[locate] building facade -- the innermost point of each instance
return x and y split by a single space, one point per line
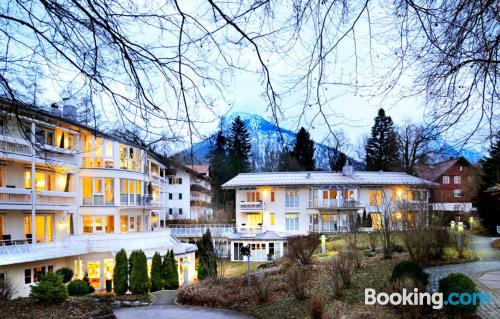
457 185
273 206
73 197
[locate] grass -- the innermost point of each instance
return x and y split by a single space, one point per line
238 268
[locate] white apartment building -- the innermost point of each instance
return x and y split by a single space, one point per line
272 206
73 197
189 193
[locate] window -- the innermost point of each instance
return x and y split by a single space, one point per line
170 211
457 193
375 198
461 168
124 224
130 158
175 180
253 196
272 197
254 219
2 176
99 152
98 191
44 136
271 219
446 179
170 195
292 221
180 211
27 276
292 199
44 181
130 192
457 180
180 195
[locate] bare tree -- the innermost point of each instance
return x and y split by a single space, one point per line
414 143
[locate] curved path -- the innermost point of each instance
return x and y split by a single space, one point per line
164 306
487 266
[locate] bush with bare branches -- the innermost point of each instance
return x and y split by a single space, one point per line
408 283
261 286
317 307
297 281
6 290
301 248
340 270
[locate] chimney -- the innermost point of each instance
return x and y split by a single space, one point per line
69 111
54 109
348 170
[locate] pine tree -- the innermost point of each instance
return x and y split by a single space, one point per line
165 271
337 161
489 206
382 149
369 221
156 278
120 273
358 221
174 274
303 150
201 271
131 258
207 256
364 221
238 149
287 163
139 280
219 168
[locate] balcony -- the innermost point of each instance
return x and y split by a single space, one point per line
200 203
251 228
251 206
97 200
217 230
200 186
130 199
19 198
334 204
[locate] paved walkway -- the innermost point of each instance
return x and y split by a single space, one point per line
482 271
164 306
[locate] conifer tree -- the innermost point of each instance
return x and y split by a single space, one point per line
174 274
338 160
165 271
120 273
364 220
139 280
369 221
238 149
288 163
219 167
207 256
303 150
156 276
382 149
488 204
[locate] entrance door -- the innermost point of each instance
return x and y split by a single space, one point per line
313 223
94 273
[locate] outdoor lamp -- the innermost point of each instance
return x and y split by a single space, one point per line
185 267
452 224
323 244
460 226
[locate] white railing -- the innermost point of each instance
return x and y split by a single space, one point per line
333 203
251 205
250 229
12 145
186 230
23 197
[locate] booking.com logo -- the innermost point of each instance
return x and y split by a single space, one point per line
436 299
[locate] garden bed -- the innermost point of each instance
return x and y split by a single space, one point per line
24 308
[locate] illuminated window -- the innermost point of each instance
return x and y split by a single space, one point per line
124 224
130 158
43 180
446 179
272 197
292 199
2 176
254 219
253 196
272 219
375 198
2 225
108 191
132 223
110 224
88 227
292 221
457 180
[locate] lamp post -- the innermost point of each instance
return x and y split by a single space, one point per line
185 267
245 251
323 244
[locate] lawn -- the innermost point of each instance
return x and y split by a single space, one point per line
238 268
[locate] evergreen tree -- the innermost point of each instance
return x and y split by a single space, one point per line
287 163
338 160
120 273
488 205
219 168
369 221
358 221
139 280
201 271
238 149
207 256
303 150
174 277
364 221
165 271
156 277
131 258
382 148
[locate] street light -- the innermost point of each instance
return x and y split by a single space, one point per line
185 267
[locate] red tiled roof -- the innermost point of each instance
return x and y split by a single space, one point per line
200 169
434 171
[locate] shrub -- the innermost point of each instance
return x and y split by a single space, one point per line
261 286
297 281
408 284
301 248
139 280
49 289
120 273
201 271
496 244
78 288
461 242
65 273
317 307
354 255
156 269
340 270
6 290
409 269
458 283
86 279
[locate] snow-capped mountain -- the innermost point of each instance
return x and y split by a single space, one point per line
265 141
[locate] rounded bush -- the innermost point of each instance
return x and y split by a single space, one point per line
410 269
65 273
78 288
458 283
50 289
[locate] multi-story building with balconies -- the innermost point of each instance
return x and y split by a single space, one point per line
272 206
72 197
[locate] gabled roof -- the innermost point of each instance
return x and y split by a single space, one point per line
325 179
200 169
435 171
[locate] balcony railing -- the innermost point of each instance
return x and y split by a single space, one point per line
12 145
217 230
97 200
251 205
20 196
250 228
333 203
130 199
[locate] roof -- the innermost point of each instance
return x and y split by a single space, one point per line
325 178
493 189
267 235
200 169
434 171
